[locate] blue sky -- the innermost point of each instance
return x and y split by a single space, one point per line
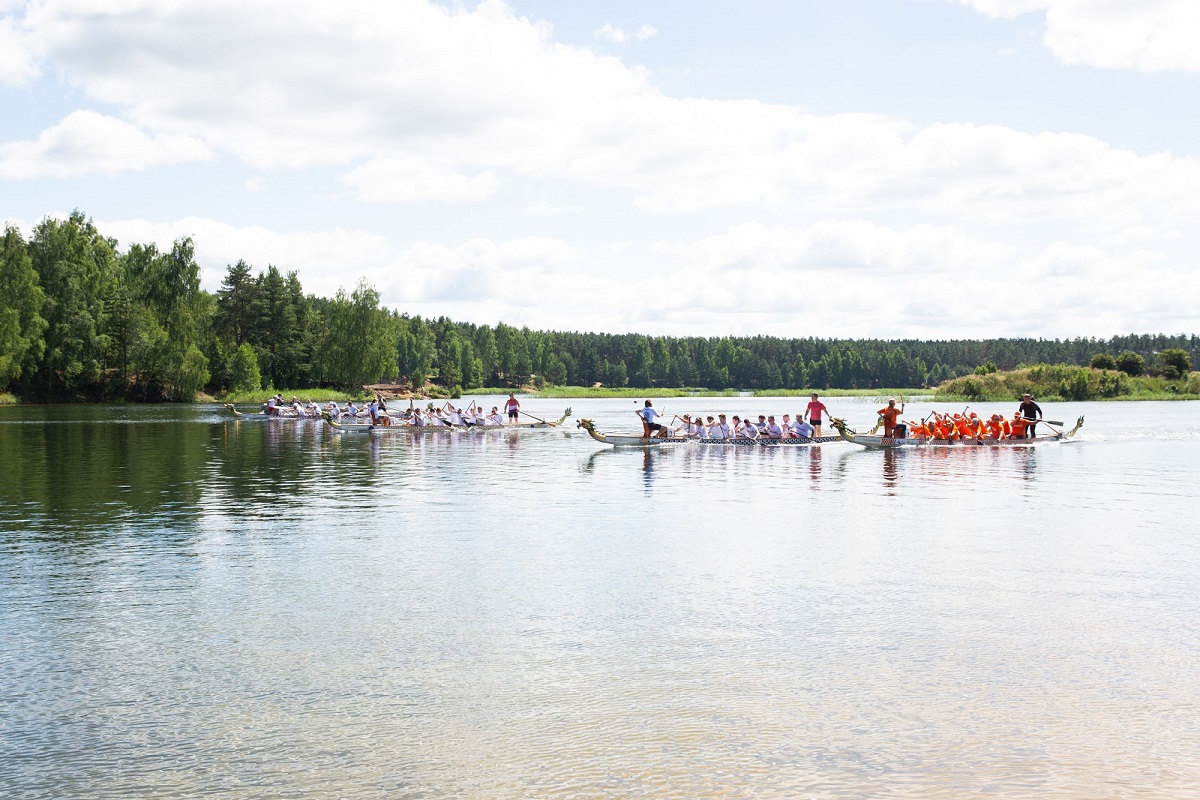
924 168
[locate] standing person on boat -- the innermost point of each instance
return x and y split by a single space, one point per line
649 426
890 415
814 411
513 407
1032 412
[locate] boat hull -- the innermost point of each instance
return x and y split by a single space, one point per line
624 440
890 443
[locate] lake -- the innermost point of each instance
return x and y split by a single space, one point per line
196 606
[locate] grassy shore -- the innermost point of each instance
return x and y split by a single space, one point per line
7 399
1062 382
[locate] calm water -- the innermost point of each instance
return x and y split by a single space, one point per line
191 606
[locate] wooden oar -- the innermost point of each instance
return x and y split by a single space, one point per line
539 419
1047 421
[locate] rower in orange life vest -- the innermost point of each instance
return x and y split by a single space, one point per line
890 416
1018 425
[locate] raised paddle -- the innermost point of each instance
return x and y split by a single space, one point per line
539 419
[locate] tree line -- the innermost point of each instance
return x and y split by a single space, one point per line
81 319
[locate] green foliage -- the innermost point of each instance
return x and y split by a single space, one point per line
1131 364
21 299
986 369
1103 361
243 370
359 349
77 271
1173 363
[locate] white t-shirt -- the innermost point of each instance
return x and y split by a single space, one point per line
719 431
648 413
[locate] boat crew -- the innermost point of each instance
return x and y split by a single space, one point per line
333 410
313 410
513 407
721 430
772 430
802 429
696 429
351 409
742 429
891 415
814 411
761 426
417 419
495 418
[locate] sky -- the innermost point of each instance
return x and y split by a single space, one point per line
835 168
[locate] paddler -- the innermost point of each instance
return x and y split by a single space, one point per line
649 426
1018 425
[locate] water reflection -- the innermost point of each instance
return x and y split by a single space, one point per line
177 592
891 472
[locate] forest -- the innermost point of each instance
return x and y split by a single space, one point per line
83 320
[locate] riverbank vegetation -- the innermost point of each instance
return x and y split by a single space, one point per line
1060 382
82 318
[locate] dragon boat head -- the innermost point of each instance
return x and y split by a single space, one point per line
839 425
586 424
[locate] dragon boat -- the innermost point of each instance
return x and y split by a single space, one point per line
633 440
874 442
404 427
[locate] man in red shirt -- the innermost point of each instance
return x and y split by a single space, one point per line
813 414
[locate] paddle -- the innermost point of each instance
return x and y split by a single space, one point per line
1047 421
539 419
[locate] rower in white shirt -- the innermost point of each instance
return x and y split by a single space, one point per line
742 429
495 418
721 430
772 430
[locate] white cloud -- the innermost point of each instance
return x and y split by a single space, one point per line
615 35
17 63
435 103
1147 35
394 180
610 33
85 141
325 260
